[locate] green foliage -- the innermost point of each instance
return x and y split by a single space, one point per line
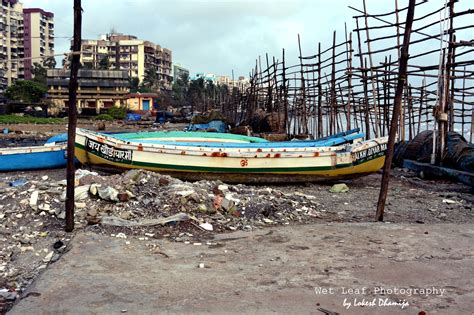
134 84
26 91
104 63
105 117
180 90
39 74
151 79
117 112
14 119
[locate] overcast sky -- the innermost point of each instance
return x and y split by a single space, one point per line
215 36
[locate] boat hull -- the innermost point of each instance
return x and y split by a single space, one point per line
31 158
237 165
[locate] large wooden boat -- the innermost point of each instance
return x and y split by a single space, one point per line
242 162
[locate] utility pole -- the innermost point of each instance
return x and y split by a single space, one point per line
402 77
72 115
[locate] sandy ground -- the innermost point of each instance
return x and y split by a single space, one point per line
273 270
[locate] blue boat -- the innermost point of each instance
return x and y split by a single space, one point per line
50 155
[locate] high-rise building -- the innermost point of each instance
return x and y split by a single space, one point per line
11 42
127 52
38 37
26 37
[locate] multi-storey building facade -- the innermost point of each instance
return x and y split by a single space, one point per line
179 71
241 82
38 38
26 37
126 52
98 89
11 42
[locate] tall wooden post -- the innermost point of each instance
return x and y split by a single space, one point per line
402 77
72 113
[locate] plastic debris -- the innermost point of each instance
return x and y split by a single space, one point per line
19 182
339 188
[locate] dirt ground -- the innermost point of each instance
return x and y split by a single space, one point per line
366 268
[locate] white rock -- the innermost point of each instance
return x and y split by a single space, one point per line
184 193
207 226
45 177
34 200
223 187
80 205
48 257
201 265
121 235
44 207
94 189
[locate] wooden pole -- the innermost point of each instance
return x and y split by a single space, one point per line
72 113
402 77
364 82
320 95
333 123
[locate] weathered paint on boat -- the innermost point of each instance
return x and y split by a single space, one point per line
266 164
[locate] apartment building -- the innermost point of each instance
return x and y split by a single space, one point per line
26 37
179 71
11 42
38 38
127 52
241 82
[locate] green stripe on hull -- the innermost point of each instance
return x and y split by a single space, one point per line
229 170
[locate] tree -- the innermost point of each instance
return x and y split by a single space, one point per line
150 80
196 94
26 91
39 74
180 90
134 84
49 62
104 63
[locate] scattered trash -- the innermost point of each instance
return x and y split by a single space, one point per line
108 193
449 201
114 221
19 182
